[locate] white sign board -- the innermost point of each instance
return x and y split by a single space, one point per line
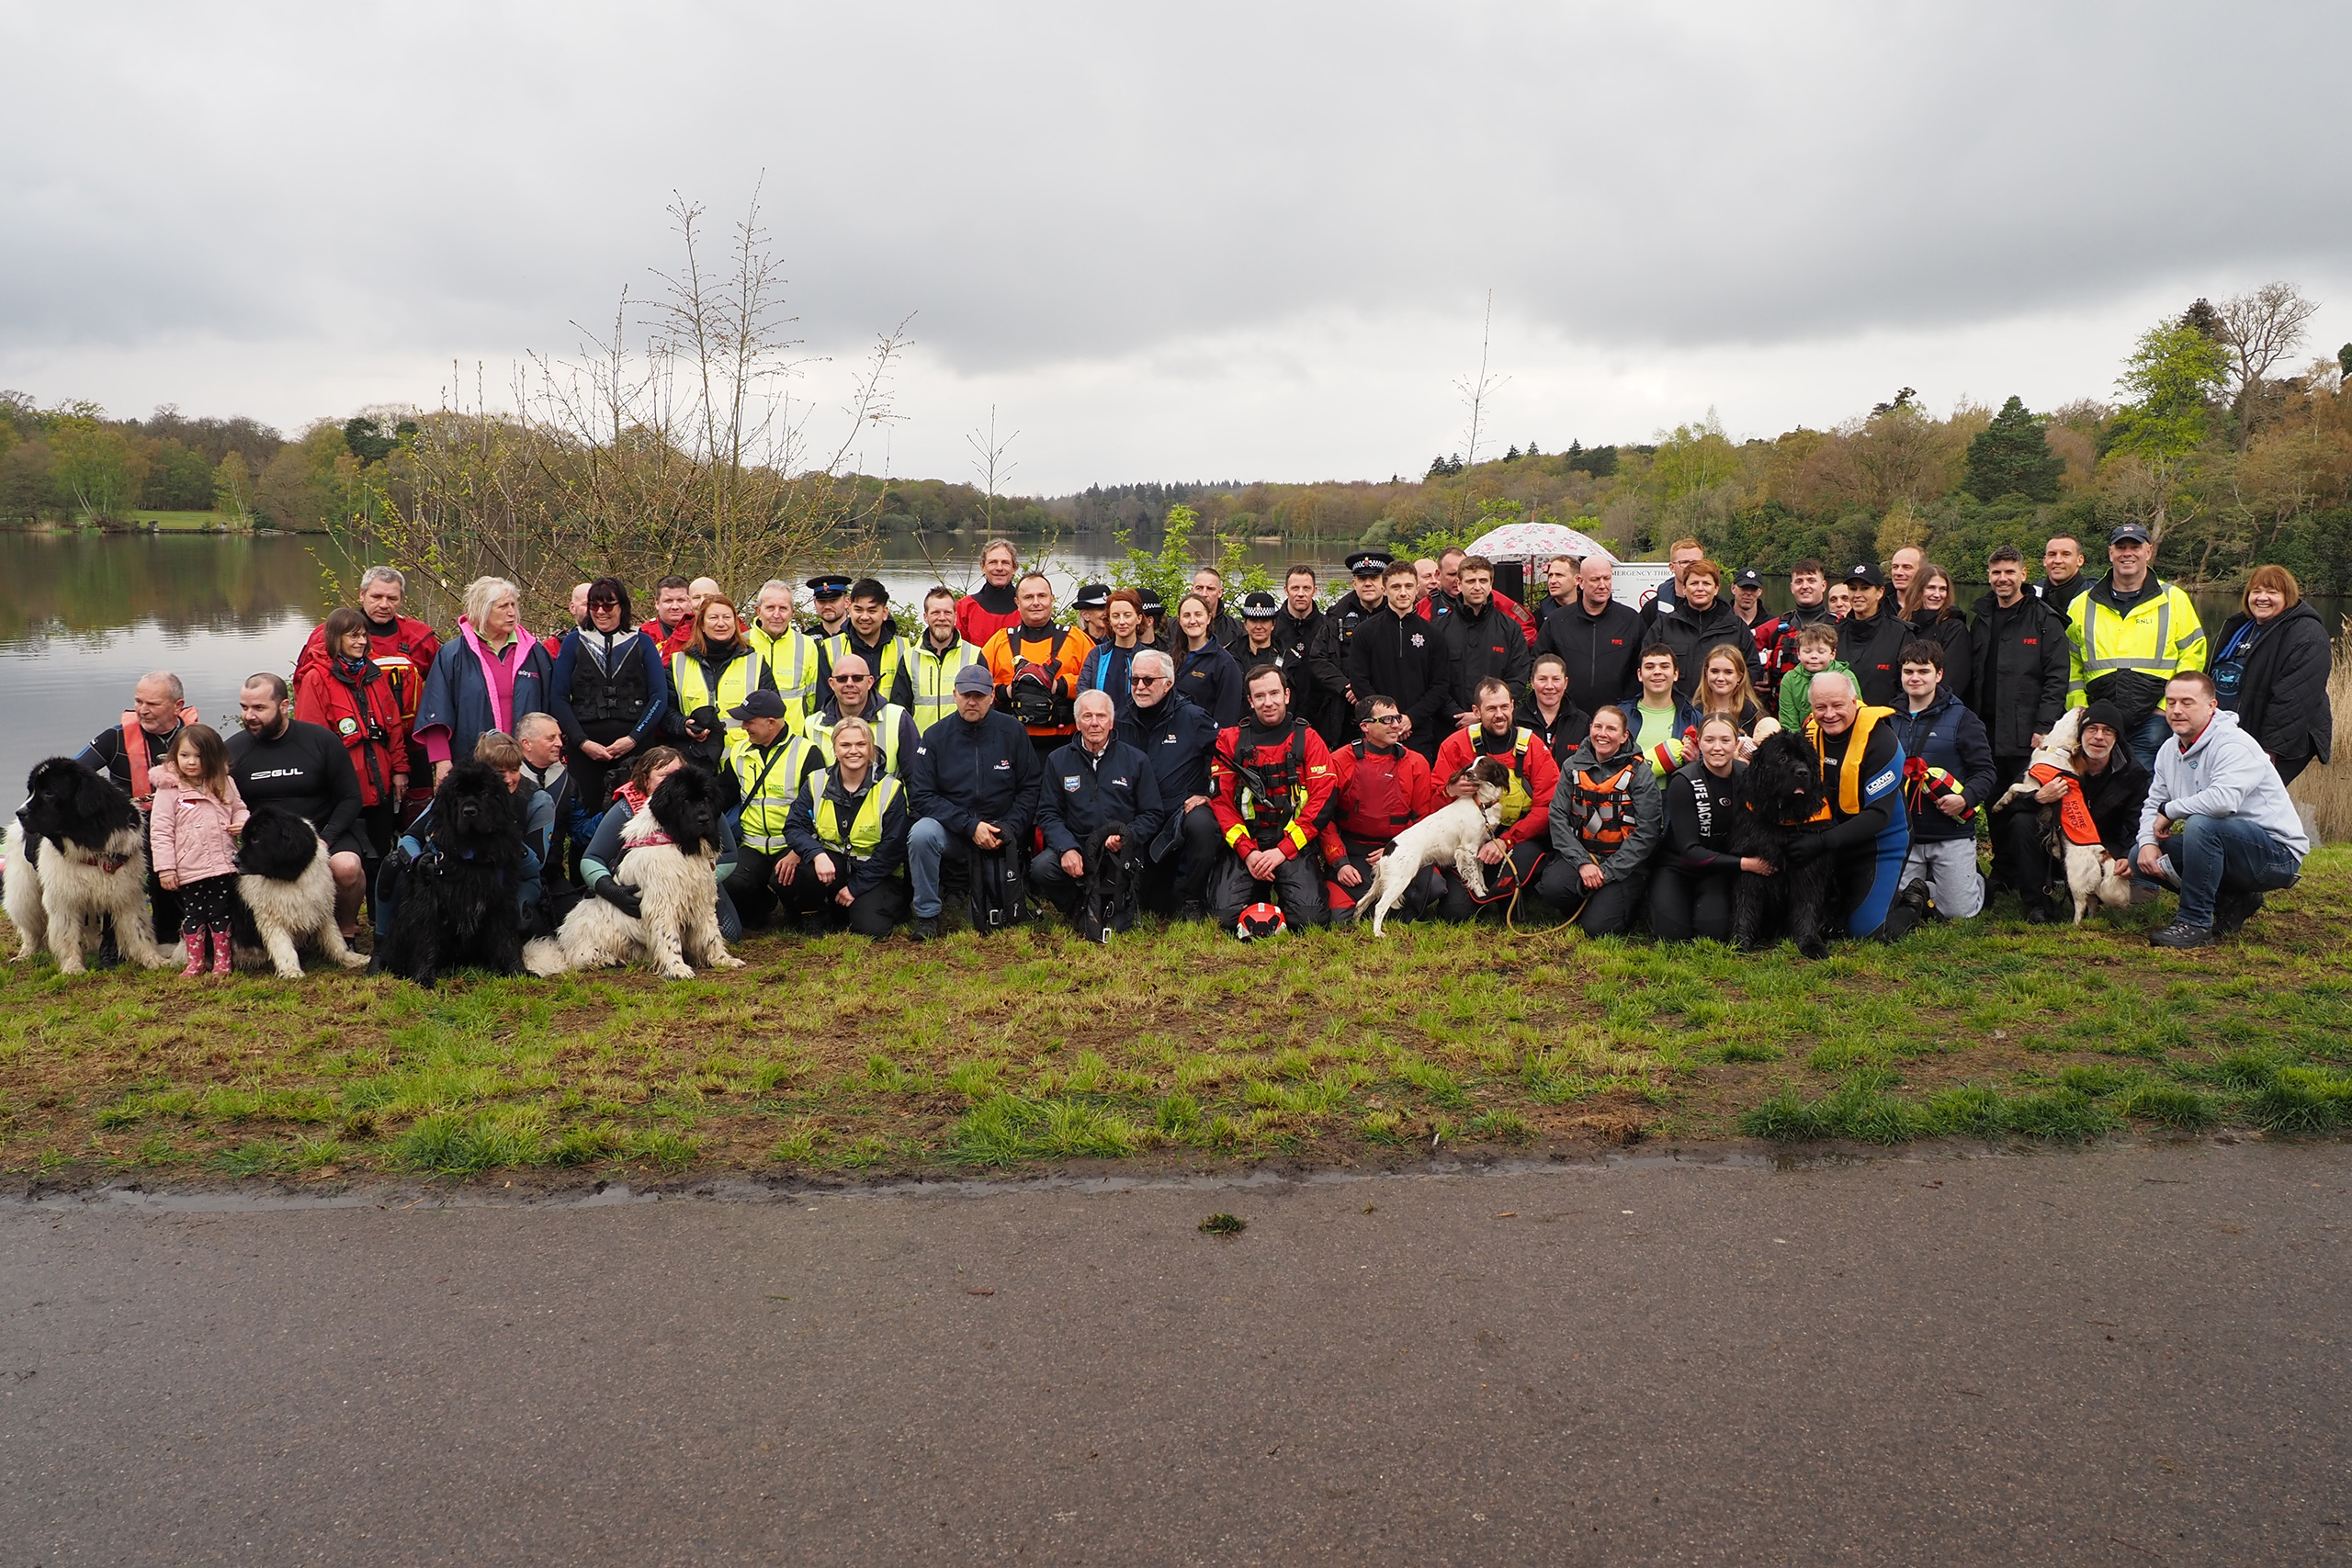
1634 582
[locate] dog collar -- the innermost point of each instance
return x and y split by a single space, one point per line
112 863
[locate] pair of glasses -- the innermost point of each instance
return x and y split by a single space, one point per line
1385 719
850 679
1146 680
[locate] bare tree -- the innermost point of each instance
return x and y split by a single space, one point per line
1476 393
2261 329
988 462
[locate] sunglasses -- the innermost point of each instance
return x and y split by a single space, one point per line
1385 719
1146 680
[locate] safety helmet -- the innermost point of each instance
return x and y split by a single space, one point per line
1261 919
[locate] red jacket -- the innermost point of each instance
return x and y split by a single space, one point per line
1285 804
405 658
1374 797
1529 759
368 722
672 641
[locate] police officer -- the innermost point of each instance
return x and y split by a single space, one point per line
830 592
1327 661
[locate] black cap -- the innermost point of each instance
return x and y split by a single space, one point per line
2129 531
1867 575
831 585
2103 712
1259 606
1093 596
1370 563
762 703
1152 604
1747 577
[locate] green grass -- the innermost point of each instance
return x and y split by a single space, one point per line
1182 1047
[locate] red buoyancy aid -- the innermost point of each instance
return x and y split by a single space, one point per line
136 755
1602 807
1374 807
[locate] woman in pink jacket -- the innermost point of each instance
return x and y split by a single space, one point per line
197 816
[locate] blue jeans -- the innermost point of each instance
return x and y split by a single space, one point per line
927 842
2216 856
2147 737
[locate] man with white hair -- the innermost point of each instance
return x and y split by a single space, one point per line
540 738
1177 739
1864 827
130 753
790 653
1098 805
400 646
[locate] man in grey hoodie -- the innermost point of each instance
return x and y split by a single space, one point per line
2218 824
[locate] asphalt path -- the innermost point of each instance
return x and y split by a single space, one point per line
2130 1355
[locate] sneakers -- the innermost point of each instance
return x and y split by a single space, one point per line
1915 899
2231 912
926 928
2180 933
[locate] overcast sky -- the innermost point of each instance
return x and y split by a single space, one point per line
1213 242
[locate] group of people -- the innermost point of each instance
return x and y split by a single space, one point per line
1117 758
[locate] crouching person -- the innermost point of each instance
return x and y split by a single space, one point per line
848 835
766 765
1607 817
499 749
2218 824
1272 780
974 784
1514 855
1098 805
605 851
1379 789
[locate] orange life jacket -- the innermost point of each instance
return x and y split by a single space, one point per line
1602 807
2073 813
135 753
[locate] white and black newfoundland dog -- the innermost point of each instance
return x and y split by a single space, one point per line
460 901
77 854
285 895
1783 795
671 859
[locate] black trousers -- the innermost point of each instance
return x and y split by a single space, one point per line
1296 888
1609 909
874 913
752 884
1420 898
1456 904
2021 859
2291 768
1182 878
1686 904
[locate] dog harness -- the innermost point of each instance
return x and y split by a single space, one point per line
2073 812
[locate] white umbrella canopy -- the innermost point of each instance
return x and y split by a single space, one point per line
1536 541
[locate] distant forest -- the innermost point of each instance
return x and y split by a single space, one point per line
2226 446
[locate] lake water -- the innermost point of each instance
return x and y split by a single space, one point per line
83 615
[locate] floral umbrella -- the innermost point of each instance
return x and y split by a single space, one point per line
1536 541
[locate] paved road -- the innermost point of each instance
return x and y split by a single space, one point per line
2130 1355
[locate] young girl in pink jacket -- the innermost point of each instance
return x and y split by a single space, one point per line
197 816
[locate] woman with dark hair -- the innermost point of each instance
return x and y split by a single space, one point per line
2270 667
1548 709
1206 673
608 691
347 694
1690 893
605 851
1932 606
710 677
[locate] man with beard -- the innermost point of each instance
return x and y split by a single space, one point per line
401 647
1329 660
1523 829
1271 779
1871 638
279 761
1598 639
1393 650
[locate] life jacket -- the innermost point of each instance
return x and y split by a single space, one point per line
864 834
768 782
1516 802
1374 809
791 664
883 721
1270 794
1601 804
609 697
2073 812
1037 694
140 758
931 674
743 673
1849 771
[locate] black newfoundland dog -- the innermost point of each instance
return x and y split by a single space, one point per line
459 905
1783 795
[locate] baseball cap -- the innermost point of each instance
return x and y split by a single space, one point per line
1747 577
973 678
2130 531
762 703
1867 575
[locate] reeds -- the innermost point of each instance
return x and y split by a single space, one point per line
2327 788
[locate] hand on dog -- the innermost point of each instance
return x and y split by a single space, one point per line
1756 865
2051 792
1492 852
1805 847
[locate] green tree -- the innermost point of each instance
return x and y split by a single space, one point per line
232 488
95 465
2173 379
366 439
1692 458
2012 457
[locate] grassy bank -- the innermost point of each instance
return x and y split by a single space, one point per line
1185 1048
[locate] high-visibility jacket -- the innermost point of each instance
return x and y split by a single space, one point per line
791 663
884 661
931 675
1525 810
2158 637
865 835
744 673
768 782
889 726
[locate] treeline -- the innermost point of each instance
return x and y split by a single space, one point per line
70 462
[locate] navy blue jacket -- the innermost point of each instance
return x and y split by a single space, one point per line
1946 734
801 829
1177 739
456 701
1079 796
1211 679
628 645
964 774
